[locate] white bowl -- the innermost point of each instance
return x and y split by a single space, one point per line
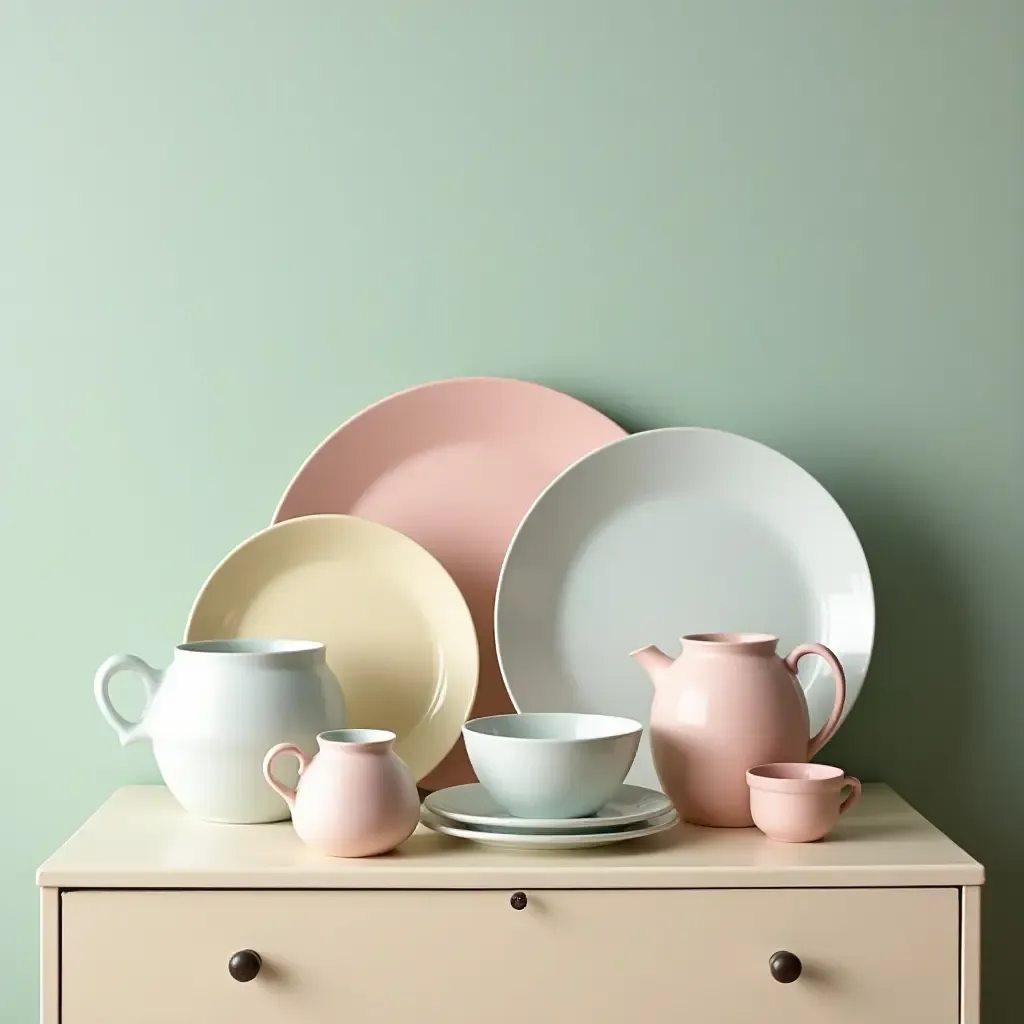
547 765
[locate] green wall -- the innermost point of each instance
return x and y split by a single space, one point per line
225 226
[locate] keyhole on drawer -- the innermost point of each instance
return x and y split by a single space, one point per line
518 901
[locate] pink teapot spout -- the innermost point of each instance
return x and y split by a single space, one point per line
653 660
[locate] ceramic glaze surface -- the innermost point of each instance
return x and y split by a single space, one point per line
516 840
551 765
473 805
454 465
728 703
355 798
668 532
799 803
398 633
213 712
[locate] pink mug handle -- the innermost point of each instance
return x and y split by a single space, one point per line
854 796
278 787
818 741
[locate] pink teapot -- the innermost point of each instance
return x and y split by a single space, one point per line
727 703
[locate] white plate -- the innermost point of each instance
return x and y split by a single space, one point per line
555 841
669 532
473 805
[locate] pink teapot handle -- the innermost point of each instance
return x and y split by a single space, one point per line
279 787
818 741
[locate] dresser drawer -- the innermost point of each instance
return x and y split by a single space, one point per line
870 956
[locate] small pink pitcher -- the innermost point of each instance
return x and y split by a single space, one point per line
355 798
728 703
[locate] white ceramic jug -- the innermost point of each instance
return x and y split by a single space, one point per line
214 712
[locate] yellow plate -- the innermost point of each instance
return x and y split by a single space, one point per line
398 632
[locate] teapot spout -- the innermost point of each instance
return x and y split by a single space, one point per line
653 660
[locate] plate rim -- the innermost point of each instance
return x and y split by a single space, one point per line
342 521
546 826
437 384
563 840
642 437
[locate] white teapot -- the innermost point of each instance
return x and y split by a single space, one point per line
215 711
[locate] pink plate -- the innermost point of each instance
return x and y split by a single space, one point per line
455 465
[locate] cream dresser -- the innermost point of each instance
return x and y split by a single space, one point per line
150 917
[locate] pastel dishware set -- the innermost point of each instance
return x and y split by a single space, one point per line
463 569
550 781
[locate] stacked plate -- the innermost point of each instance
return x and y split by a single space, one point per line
469 812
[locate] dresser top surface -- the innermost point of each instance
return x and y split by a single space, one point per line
140 838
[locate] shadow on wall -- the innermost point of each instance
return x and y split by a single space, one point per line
916 725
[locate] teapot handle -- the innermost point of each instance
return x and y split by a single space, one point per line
127 732
279 787
825 734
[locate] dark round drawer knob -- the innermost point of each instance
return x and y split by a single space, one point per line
245 965
785 966
518 901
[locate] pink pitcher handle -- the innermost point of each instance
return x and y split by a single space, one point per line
854 796
818 741
278 787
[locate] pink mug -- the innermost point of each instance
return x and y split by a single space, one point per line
799 803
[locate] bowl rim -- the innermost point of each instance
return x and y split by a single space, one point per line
622 727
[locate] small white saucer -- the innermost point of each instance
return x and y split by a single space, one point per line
473 805
549 841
